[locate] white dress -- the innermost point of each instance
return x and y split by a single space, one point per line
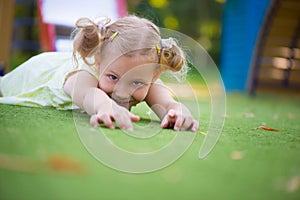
39 81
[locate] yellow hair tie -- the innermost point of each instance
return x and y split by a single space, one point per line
158 49
112 37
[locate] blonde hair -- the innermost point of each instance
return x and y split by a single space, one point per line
128 36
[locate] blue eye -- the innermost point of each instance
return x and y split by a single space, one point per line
137 83
112 77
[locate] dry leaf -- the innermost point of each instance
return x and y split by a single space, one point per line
249 115
200 132
293 184
56 163
63 163
266 128
290 116
237 155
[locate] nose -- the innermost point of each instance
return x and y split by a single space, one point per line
121 93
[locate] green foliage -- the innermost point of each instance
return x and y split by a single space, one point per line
199 19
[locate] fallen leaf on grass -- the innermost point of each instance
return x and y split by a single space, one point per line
201 133
293 184
290 116
266 128
249 115
62 163
58 163
237 155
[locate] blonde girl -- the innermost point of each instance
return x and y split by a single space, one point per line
114 66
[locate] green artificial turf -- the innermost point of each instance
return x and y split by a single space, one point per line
246 163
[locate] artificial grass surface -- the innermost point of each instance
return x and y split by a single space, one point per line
246 163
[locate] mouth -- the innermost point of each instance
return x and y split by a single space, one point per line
120 103
126 104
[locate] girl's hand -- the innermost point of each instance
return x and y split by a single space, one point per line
180 120
107 114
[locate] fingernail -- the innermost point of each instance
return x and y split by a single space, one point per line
171 112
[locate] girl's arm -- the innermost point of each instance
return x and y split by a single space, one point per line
172 113
84 91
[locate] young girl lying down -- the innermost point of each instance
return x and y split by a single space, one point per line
114 66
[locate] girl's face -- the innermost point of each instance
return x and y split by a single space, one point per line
128 79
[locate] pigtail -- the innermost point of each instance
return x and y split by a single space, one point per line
171 56
88 38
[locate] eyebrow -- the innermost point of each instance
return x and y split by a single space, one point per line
112 71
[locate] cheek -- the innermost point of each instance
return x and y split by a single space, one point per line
141 93
106 86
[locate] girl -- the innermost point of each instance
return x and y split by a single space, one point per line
114 67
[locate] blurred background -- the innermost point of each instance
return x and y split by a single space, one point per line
197 19
255 44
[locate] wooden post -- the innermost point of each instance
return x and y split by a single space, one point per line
6 28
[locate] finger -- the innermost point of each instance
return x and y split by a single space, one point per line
107 121
195 126
134 117
94 121
123 120
178 123
169 119
171 113
165 122
187 124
